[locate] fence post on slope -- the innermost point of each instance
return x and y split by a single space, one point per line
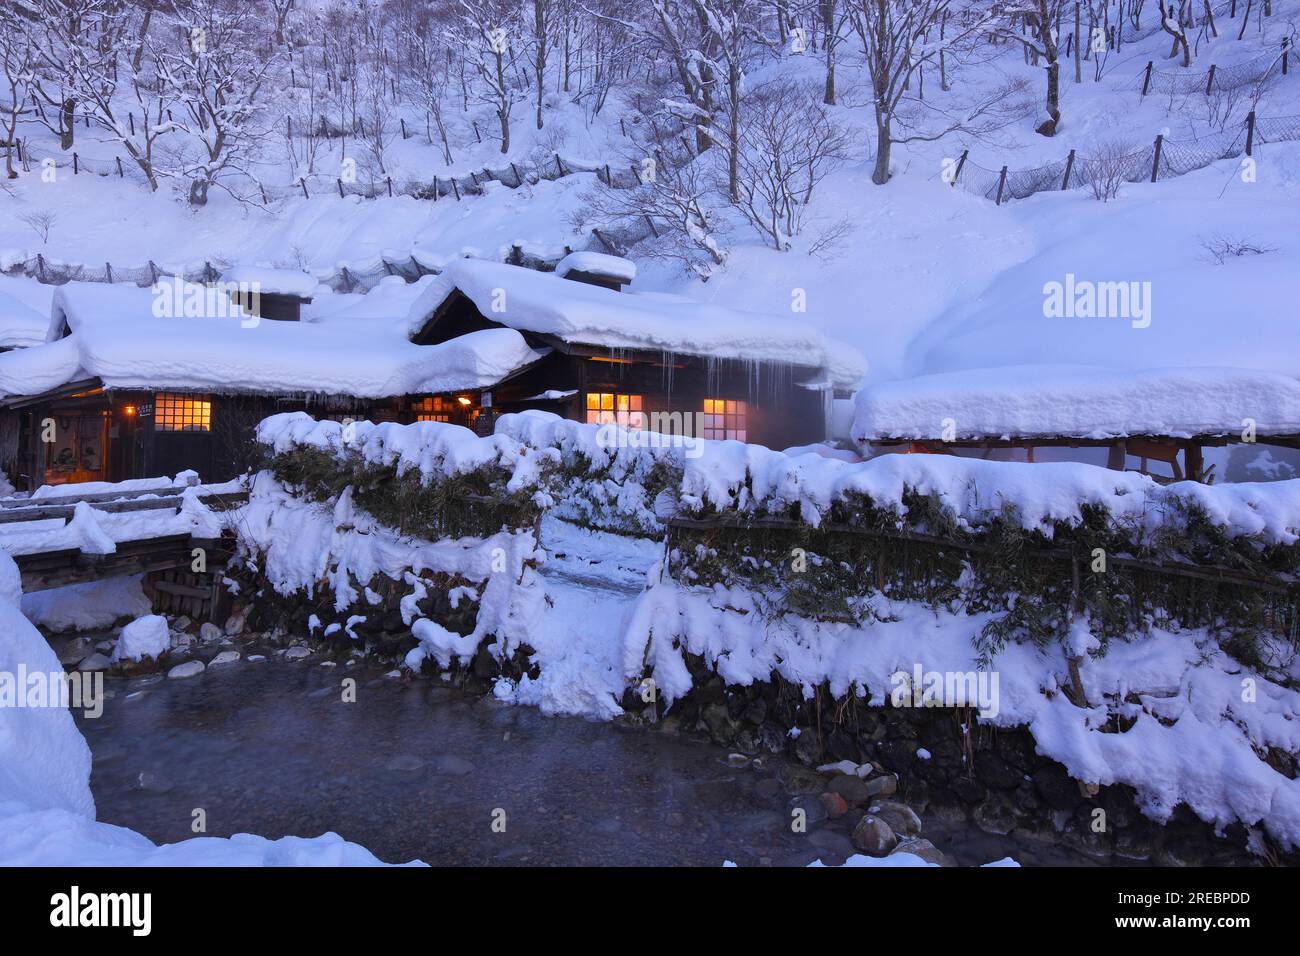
477 137
303 183
130 118
1209 81
75 166
651 223
108 271
559 163
40 267
389 180
1286 47
1250 133
1069 167
1002 182
435 187
960 163
153 273
455 188
118 159
519 180
340 182
609 180
1146 79
402 120
1155 160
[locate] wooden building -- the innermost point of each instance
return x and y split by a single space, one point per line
117 391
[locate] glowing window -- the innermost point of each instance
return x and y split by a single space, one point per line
724 418
181 413
605 407
431 409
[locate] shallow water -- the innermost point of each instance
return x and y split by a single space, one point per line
418 770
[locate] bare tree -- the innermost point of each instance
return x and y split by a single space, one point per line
674 200
1041 42
1172 21
899 37
543 14
487 29
788 145
16 71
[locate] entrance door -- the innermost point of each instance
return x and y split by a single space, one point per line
78 451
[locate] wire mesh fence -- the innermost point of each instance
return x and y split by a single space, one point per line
1159 160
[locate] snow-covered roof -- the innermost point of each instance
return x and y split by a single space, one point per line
272 281
20 325
579 313
597 264
114 336
1072 401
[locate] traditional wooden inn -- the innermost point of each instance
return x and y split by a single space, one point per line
121 388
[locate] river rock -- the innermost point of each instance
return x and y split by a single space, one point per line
873 836
235 624
297 653
886 785
739 761
995 814
406 763
455 765
188 669
95 662
835 805
925 850
74 651
209 632
853 789
901 818
814 811
225 657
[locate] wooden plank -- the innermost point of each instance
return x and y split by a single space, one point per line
182 590
51 512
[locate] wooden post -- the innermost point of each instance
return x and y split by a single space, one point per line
1209 81
40 267
477 137
1002 182
435 187
960 163
75 169
1069 167
651 223
390 187
455 188
131 119
108 271
1286 46
1194 462
303 183
340 182
153 272
118 159
609 181
1117 456
1155 160
402 120
1146 80
559 164
519 180
1250 132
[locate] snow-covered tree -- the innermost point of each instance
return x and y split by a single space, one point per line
217 74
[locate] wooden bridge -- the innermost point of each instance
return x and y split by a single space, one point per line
166 561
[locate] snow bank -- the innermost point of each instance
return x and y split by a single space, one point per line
1194 738
90 606
1078 402
47 814
20 325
